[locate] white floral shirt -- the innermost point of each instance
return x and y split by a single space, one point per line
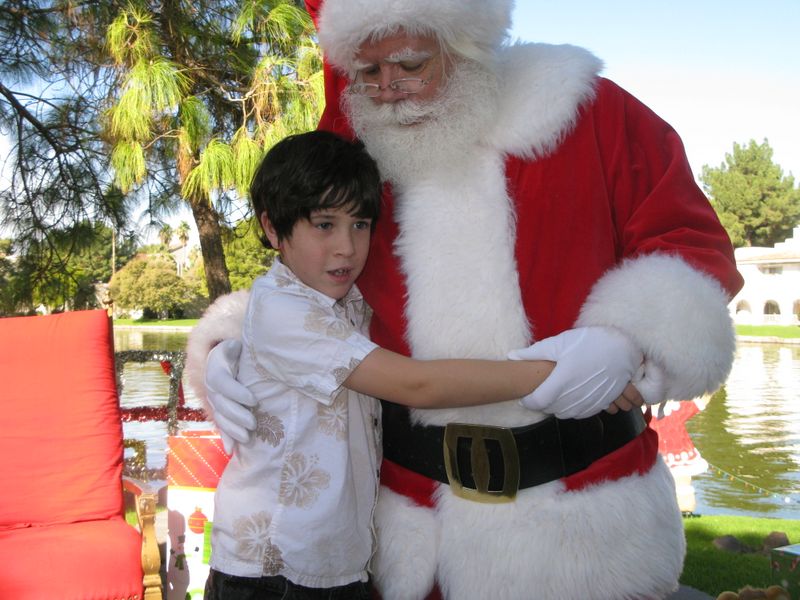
298 499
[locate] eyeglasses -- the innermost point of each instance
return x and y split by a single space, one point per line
406 85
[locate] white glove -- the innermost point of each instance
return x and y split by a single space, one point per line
593 366
228 397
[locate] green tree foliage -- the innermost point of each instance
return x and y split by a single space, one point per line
9 281
756 202
180 99
81 257
247 257
205 89
151 284
54 85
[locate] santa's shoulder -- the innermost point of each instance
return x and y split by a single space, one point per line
542 87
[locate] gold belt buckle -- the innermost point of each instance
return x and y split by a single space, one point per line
479 461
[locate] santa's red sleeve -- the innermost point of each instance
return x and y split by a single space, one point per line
677 272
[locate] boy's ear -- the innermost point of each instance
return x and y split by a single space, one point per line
269 230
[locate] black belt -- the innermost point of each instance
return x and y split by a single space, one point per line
489 464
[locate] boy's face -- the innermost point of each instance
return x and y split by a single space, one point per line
326 252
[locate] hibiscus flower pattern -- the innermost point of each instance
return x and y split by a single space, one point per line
283 281
272 563
318 321
342 373
269 428
301 480
254 544
332 420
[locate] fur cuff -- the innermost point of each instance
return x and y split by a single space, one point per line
222 320
677 314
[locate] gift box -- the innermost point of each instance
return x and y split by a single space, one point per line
195 462
786 568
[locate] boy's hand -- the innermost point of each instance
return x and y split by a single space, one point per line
593 367
630 399
228 397
648 387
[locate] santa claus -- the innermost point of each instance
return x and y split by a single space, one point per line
527 198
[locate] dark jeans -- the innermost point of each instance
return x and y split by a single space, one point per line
220 586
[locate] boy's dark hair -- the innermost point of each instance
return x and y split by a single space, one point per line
312 171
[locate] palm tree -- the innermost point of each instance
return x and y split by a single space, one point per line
165 235
183 233
207 88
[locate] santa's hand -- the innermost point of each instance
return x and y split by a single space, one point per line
593 366
228 397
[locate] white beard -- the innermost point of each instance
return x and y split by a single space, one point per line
410 138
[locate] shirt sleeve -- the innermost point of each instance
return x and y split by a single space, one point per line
303 344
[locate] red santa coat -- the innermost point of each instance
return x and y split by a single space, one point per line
606 194
617 187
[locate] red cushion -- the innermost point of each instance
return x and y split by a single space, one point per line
61 442
95 560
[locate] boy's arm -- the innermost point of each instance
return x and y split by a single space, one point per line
444 383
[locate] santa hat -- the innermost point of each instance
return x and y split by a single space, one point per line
472 28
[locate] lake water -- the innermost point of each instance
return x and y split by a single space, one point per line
146 384
749 433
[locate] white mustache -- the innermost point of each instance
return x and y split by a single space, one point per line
405 112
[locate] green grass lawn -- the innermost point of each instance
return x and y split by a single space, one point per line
780 331
715 571
157 322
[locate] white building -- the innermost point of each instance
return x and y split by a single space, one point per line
182 255
771 292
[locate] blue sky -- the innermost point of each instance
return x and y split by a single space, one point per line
718 72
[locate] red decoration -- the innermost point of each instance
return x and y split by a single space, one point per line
197 521
196 459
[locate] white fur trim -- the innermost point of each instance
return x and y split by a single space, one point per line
542 87
448 314
675 313
222 320
548 543
405 558
345 24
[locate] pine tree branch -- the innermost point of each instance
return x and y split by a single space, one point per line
36 123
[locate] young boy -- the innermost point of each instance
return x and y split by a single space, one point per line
293 514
